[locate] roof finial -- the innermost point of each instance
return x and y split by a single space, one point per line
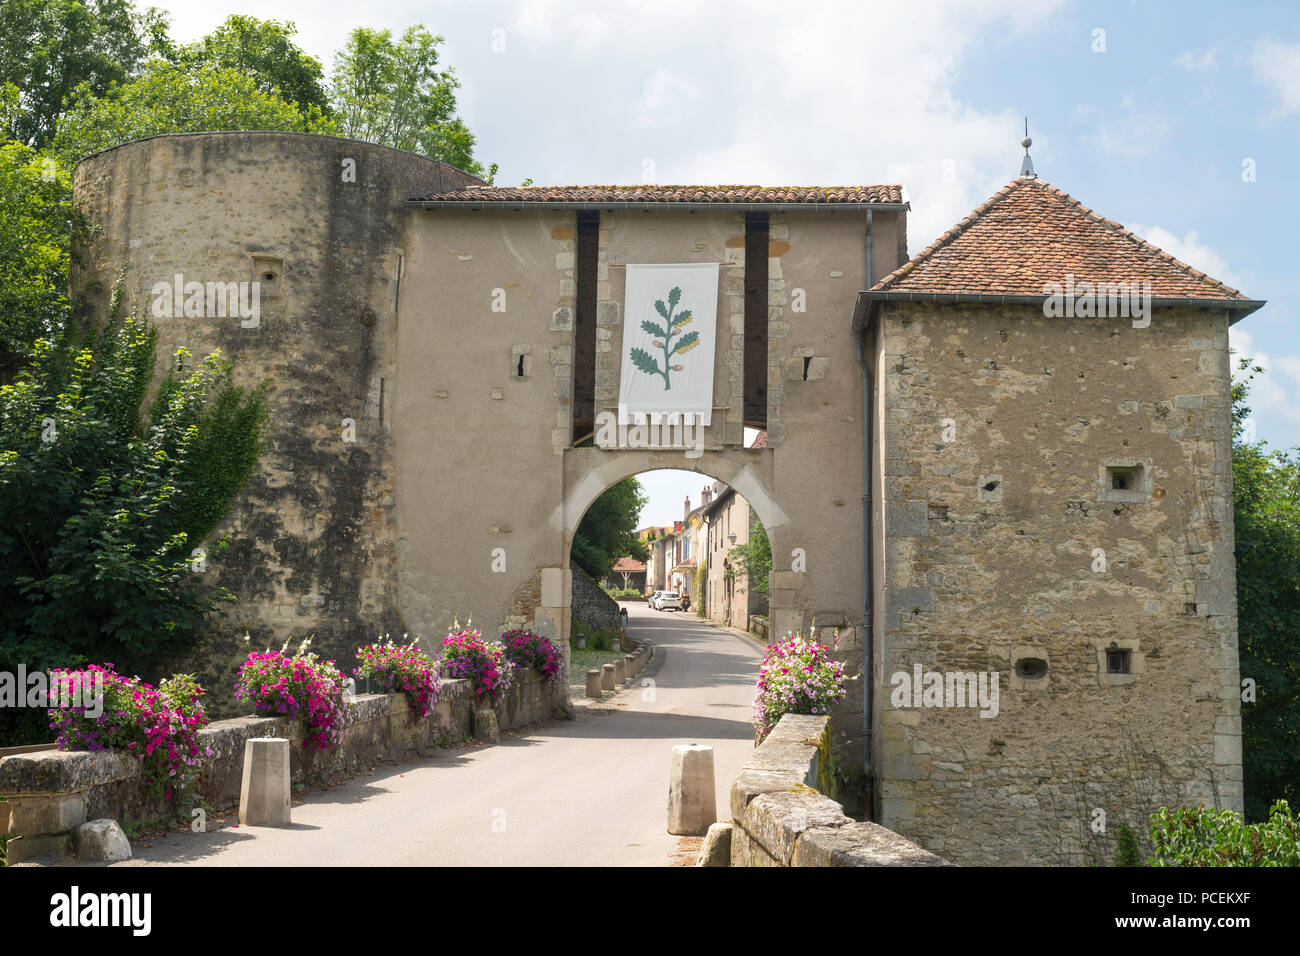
1027 167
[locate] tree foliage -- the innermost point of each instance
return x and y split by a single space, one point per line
102 501
264 51
37 223
1266 504
391 92
49 48
168 98
754 558
607 531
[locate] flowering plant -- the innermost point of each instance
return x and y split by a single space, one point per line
301 686
466 654
797 677
157 725
402 667
526 649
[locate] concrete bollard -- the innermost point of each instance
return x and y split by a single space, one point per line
264 793
606 676
692 803
593 683
620 671
629 664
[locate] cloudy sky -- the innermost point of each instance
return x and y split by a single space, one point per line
1181 121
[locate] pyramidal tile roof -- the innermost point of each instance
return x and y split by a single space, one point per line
826 195
1029 234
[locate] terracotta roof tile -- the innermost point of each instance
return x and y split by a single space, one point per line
1030 233
629 564
673 194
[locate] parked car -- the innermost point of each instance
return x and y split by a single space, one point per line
654 599
670 601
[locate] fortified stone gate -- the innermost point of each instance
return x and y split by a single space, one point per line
439 354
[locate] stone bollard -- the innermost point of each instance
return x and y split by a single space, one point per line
692 803
593 683
620 671
629 663
264 794
606 676
486 728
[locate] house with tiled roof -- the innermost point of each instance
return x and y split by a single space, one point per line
995 475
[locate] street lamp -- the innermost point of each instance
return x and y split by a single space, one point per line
732 537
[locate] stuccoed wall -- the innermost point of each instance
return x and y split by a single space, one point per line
313 540
978 578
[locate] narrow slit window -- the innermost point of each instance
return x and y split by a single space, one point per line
1118 661
586 258
756 305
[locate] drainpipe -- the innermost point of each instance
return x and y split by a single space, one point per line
868 637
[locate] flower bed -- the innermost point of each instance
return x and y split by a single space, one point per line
301 686
525 649
158 726
466 655
797 676
404 669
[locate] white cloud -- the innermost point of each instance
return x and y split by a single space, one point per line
1190 250
1125 132
1198 62
1269 394
809 100
666 92
1276 65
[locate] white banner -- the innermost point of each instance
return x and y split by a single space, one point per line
670 318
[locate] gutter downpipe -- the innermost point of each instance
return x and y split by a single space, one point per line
868 638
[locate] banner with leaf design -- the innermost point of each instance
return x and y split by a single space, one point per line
670 318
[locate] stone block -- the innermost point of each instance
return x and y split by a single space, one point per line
48 848
692 804
264 793
860 844
486 728
716 850
44 815
904 519
101 841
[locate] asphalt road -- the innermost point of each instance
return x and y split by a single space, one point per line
588 792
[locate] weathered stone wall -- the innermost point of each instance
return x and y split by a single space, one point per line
313 542
591 605
52 792
782 820
1005 540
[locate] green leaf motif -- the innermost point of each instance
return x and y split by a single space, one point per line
653 329
661 308
675 296
682 318
645 362
685 342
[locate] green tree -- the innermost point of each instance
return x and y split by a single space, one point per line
103 502
168 98
753 558
1266 505
264 51
37 220
49 48
607 531
392 93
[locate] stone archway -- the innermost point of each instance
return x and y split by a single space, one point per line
589 472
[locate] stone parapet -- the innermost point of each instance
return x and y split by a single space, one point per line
782 820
